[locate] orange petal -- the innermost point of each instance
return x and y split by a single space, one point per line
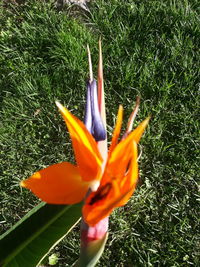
117 130
127 187
138 132
113 192
96 205
120 156
96 215
86 151
58 184
123 147
93 214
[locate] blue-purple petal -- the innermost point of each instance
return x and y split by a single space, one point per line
98 129
88 111
93 120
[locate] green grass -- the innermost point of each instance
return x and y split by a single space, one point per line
151 49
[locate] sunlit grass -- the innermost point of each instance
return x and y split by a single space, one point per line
150 49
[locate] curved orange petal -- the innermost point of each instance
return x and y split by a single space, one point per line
114 191
117 129
120 158
92 215
129 182
86 151
138 132
96 215
58 184
122 149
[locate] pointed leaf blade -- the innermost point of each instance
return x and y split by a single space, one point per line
27 242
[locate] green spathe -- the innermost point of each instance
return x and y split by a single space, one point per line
91 254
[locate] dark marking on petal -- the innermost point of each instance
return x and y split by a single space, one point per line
101 193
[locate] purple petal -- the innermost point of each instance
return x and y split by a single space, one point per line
98 130
88 111
93 120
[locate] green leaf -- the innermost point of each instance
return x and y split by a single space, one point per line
27 242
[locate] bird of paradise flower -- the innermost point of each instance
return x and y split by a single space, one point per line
104 179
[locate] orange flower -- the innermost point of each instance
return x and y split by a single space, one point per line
108 178
64 183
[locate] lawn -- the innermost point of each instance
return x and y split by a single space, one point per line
150 49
